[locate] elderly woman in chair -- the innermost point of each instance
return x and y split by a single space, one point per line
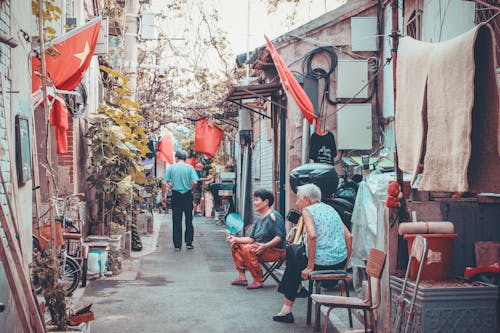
325 247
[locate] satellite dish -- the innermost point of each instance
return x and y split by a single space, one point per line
234 223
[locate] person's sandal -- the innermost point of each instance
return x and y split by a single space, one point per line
239 283
255 285
288 318
189 247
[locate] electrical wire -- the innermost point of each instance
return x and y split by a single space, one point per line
318 73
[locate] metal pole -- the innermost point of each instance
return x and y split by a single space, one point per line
282 160
130 43
46 110
306 138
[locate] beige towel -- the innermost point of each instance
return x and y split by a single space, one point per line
460 109
412 67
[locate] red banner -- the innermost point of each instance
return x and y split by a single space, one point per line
207 137
166 148
293 87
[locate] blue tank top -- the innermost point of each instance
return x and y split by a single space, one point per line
330 242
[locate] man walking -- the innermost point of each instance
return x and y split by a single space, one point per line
182 177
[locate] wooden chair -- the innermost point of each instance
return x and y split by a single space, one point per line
374 266
317 277
418 252
293 236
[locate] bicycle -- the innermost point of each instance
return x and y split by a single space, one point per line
68 238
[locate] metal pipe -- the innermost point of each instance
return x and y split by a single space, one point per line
282 176
306 138
8 40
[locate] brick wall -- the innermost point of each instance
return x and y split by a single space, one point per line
66 160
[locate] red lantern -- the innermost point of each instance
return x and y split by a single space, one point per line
207 137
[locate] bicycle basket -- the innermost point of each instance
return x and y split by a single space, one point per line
44 236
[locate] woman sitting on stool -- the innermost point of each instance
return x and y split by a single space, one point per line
325 247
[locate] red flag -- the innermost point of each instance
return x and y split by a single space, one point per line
69 57
166 148
67 61
291 86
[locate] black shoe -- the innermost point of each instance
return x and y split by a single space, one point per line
303 293
189 247
288 318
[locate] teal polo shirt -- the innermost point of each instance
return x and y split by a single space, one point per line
181 175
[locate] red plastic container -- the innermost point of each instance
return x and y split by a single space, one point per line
439 260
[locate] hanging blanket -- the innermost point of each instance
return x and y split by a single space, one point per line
412 68
458 138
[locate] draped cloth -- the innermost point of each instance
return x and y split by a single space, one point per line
447 112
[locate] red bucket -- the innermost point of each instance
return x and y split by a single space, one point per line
439 260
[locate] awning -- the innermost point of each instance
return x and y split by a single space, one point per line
264 91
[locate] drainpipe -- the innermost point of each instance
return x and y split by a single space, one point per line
282 160
306 138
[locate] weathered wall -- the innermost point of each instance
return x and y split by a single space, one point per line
262 155
338 35
14 66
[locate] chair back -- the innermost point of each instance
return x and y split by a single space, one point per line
348 244
374 268
375 263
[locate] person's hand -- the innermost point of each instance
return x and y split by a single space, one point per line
259 249
305 273
230 238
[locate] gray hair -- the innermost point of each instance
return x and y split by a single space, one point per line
310 191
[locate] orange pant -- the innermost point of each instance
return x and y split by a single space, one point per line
245 258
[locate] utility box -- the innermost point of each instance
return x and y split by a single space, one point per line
354 126
364 33
352 78
147 28
101 46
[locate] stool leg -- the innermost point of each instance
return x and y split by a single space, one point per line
309 303
364 321
327 319
349 309
317 317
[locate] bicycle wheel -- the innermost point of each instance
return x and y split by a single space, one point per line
70 277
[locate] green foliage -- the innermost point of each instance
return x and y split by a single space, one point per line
46 269
117 143
51 13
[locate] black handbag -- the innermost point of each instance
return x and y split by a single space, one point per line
297 253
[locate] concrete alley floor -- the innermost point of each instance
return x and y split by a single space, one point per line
187 291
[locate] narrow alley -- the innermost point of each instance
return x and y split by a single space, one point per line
186 291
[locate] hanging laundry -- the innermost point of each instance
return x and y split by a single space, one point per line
448 117
323 148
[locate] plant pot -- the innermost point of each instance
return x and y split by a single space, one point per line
449 306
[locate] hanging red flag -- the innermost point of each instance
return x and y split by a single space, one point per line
207 137
166 148
68 57
293 87
67 60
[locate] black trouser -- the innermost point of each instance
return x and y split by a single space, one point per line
182 203
292 276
